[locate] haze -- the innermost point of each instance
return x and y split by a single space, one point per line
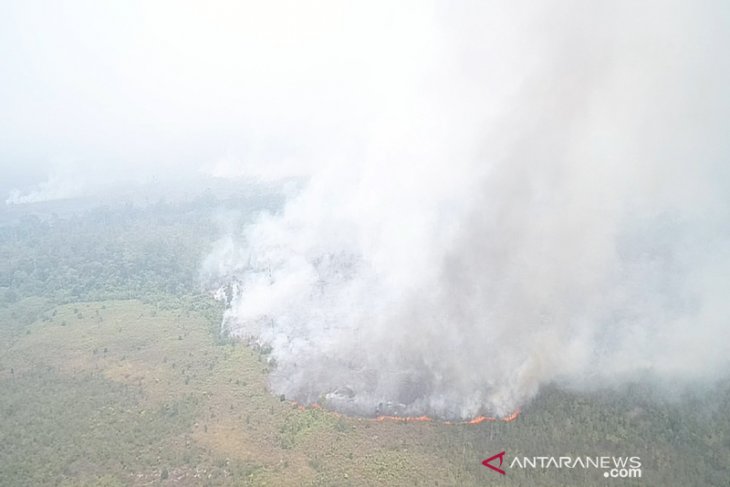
498 198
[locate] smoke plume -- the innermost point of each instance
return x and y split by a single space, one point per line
533 196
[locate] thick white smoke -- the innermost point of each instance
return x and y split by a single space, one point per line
540 195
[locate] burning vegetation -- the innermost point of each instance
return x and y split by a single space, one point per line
422 419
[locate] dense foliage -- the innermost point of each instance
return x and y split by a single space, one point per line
105 253
111 373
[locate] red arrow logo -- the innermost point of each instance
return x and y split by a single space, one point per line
487 463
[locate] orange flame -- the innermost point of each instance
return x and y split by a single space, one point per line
512 417
481 419
423 419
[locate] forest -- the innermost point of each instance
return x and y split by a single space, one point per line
113 371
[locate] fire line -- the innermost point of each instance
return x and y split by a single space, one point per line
421 419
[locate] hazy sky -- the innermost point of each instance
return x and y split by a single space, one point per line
93 91
98 91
